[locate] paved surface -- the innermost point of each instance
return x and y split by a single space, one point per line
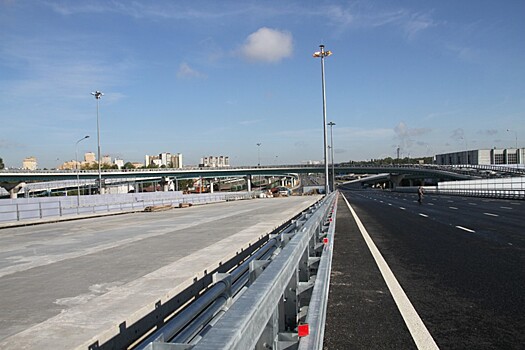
67 284
459 260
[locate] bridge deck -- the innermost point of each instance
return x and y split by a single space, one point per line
65 285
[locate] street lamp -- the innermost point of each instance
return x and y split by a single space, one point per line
259 161
322 54
77 167
98 95
331 124
259 154
515 135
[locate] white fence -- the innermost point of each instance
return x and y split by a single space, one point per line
21 209
511 187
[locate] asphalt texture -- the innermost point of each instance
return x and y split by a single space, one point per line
459 260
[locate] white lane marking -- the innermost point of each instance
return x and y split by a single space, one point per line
453 208
430 203
415 325
389 203
472 204
515 203
423 215
465 229
490 214
450 201
402 208
505 207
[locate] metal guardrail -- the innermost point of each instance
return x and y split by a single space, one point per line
268 299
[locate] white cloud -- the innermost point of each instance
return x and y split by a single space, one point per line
268 45
185 71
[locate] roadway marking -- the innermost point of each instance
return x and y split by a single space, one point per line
505 207
415 325
389 203
430 203
490 214
472 204
465 229
453 208
402 208
423 215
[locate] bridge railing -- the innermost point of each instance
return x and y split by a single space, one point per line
282 305
26 209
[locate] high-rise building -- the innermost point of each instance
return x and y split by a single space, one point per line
176 161
106 159
29 163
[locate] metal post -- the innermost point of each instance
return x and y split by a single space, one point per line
76 165
332 151
324 54
98 95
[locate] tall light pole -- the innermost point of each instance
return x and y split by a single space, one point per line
76 166
331 124
98 95
515 135
259 154
322 54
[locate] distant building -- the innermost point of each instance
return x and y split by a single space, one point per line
507 156
215 162
119 163
29 163
176 161
105 160
164 159
89 158
70 165
137 165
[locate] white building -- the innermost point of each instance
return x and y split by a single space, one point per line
215 162
507 156
29 163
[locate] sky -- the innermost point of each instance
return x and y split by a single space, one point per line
209 77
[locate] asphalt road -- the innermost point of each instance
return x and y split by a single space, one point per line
459 260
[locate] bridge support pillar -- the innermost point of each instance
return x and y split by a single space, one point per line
249 183
13 189
396 179
211 186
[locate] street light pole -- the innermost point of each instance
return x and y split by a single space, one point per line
259 154
76 165
322 54
331 124
98 95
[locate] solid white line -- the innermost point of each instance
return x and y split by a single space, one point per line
490 214
417 328
465 229
453 208
424 215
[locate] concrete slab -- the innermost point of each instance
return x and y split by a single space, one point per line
65 285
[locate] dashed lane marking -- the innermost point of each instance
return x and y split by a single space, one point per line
415 325
490 214
453 208
505 207
423 215
402 208
465 229
430 203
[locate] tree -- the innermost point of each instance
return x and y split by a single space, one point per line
1 163
128 165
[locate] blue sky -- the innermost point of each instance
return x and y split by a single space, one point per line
218 77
